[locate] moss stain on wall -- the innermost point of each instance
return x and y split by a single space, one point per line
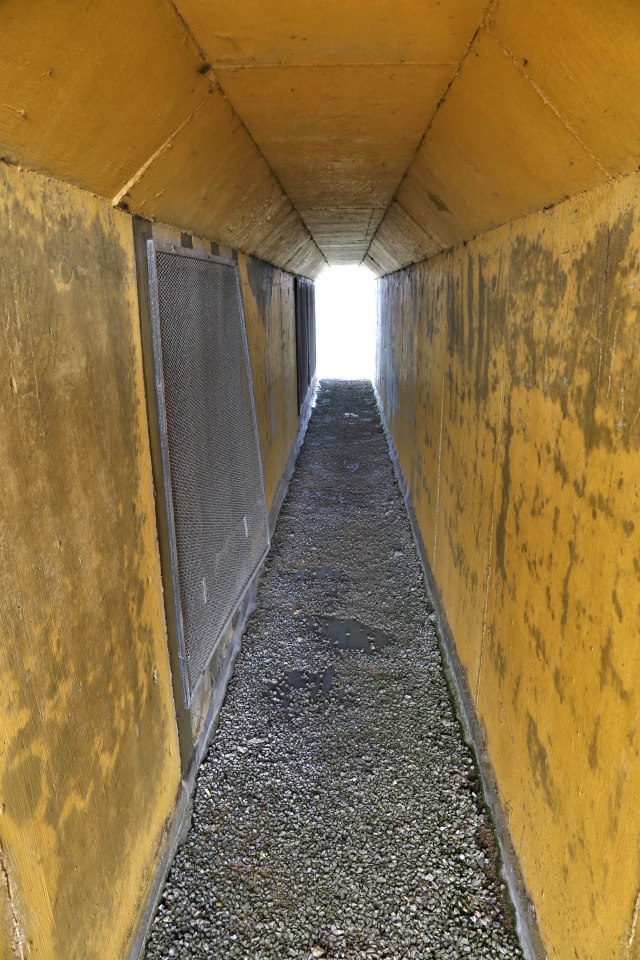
88 748
520 440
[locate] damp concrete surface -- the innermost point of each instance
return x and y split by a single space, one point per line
338 813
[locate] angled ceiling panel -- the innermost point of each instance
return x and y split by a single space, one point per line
255 33
337 96
381 130
307 261
400 240
210 179
88 92
337 138
495 151
583 57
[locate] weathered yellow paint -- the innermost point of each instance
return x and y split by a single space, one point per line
119 100
543 106
388 129
88 749
508 373
269 307
376 31
495 150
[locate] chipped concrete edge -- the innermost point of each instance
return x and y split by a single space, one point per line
17 933
179 822
526 923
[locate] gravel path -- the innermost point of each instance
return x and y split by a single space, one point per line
338 813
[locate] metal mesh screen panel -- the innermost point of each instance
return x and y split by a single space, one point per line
305 336
214 490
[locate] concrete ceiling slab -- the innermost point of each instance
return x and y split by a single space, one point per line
210 180
495 151
582 55
89 94
336 96
337 137
378 131
254 33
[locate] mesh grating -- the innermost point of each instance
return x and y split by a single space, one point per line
305 336
214 490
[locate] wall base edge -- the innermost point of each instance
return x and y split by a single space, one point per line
178 825
526 923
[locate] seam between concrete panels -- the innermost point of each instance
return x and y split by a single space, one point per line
156 155
206 66
223 93
366 233
216 84
410 216
329 65
486 14
547 102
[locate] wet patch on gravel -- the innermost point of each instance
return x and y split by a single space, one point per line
348 634
338 813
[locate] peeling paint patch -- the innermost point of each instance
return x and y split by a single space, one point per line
531 334
16 936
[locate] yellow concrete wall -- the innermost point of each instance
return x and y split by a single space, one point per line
88 749
509 375
269 306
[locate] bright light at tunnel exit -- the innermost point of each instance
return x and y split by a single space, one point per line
346 323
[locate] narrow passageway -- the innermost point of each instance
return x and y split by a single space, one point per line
338 813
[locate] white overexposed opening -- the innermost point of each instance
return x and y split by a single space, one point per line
346 323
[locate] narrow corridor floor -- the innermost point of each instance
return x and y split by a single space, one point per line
338 813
